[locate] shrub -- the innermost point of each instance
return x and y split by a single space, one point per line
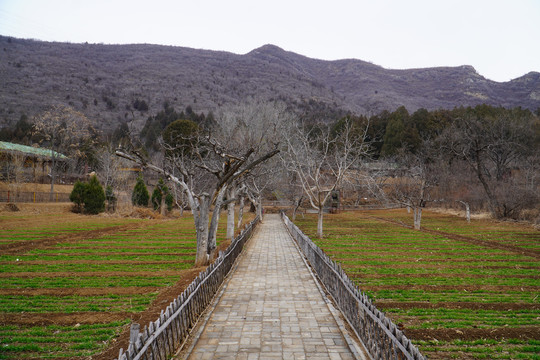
140 195
94 197
88 197
77 195
169 200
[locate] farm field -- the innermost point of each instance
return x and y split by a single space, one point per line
70 284
457 290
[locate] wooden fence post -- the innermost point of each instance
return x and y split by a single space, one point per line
134 333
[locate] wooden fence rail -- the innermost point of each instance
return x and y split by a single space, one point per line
380 336
161 338
32 196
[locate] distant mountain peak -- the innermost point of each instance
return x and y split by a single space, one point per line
267 48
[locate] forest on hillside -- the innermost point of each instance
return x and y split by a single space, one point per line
486 157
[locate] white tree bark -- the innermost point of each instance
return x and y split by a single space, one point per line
231 194
241 203
163 206
201 224
467 211
320 223
417 217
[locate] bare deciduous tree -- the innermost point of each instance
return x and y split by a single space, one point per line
412 188
63 129
492 143
207 164
15 173
321 156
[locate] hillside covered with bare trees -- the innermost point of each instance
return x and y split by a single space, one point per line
112 84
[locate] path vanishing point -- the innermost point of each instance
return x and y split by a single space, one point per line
271 307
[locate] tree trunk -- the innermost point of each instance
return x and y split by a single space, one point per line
241 202
296 205
320 223
259 208
230 214
212 232
492 200
163 206
467 211
201 223
53 175
417 217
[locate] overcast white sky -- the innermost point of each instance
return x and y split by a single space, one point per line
500 38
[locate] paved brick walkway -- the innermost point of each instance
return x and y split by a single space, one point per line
271 308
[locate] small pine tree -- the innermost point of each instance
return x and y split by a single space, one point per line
140 195
157 196
77 195
88 197
169 200
94 197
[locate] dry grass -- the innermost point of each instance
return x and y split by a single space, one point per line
30 187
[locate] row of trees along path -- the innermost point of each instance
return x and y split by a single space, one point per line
218 165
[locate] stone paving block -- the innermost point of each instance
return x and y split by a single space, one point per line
271 308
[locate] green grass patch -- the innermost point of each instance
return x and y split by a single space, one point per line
399 264
72 304
17 342
463 318
86 281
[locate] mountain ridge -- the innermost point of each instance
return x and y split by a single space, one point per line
103 81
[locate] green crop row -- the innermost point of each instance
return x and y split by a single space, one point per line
80 250
463 318
504 233
76 267
405 279
95 281
70 304
155 243
143 241
387 268
437 295
88 257
17 342
400 264
481 349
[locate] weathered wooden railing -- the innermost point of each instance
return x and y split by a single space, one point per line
380 336
32 196
161 339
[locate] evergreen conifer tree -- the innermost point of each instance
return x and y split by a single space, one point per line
140 195
94 197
